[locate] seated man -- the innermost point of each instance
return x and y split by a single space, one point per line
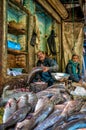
73 68
48 65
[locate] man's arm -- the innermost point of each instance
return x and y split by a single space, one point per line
53 66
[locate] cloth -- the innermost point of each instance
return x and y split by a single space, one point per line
51 42
73 69
46 76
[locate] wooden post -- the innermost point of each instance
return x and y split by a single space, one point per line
1 41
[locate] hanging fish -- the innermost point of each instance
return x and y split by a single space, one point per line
51 42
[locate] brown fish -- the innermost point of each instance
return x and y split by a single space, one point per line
19 115
26 124
71 107
33 73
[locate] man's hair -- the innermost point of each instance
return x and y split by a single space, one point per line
41 51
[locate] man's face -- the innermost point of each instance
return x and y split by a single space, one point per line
75 59
41 56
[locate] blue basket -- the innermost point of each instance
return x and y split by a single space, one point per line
13 45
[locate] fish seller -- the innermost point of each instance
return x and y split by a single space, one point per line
48 65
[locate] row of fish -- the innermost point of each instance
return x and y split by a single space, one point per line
53 110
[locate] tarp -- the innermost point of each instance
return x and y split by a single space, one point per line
72 41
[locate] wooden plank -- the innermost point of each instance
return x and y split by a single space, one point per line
12 3
49 9
59 8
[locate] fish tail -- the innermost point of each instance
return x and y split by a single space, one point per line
2 127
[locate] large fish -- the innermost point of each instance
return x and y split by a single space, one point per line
76 115
9 109
33 73
71 107
41 101
73 125
37 117
43 112
50 120
19 115
22 101
71 118
26 124
32 99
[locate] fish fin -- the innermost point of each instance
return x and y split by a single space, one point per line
18 100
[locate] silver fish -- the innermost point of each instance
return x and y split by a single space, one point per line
41 101
43 112
33 73
73 125
36 117
32 99
22 101
9 109
50 120
19 115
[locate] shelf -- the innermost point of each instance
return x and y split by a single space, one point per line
15 31
12 3
16 52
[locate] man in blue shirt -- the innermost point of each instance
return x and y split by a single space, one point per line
48 65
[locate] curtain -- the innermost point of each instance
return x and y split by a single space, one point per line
72 41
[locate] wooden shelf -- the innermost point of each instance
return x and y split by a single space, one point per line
16 52
15 31
12 3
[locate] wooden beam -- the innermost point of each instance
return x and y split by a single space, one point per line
49 9
59 8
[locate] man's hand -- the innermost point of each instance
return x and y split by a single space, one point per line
45 69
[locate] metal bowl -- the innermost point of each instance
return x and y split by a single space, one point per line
60 76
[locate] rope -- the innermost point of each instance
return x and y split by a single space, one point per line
73 25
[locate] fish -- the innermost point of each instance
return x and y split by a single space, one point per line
83 108
50 120
26 124
71 118
3 102
9 109
40 103
22 101
57 99
33 73
76 115
17 116
59 106
73 125
36 117
71 107
43 112
32 99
